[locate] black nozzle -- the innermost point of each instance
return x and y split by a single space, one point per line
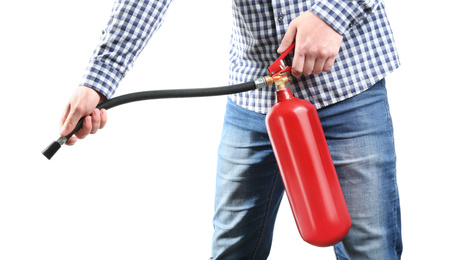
53 147
51 150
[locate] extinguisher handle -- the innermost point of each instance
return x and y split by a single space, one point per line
281 63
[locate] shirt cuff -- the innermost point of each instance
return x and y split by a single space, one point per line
341 15
102 78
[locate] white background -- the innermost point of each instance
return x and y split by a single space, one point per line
143 187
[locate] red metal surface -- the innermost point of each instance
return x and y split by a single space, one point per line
307 170
276 67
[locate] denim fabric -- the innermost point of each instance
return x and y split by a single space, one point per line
249 188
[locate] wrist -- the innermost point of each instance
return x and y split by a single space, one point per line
92 94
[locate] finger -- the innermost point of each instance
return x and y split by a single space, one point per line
86 129
72 140
309 65
64 116
288 39
297 64
95 121
104 118
328 64
318 66
70 121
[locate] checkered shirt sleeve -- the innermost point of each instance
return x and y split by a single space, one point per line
343 15
131 25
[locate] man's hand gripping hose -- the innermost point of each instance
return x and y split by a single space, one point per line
279 72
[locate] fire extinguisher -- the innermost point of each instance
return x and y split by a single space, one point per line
307 170
299 145
305 163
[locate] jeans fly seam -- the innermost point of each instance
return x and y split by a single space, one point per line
269 202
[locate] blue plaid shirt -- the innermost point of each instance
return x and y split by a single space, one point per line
366 55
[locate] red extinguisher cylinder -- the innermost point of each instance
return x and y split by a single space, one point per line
307 170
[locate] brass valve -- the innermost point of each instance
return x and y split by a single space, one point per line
280 83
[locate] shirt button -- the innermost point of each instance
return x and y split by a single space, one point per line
280 17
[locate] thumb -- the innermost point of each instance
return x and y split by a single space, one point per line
69 120
288 39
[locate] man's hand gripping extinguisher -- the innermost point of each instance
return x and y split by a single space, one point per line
300 148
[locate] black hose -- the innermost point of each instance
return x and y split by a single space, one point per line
176 93
154 94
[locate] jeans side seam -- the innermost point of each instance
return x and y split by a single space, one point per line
269 202
398 246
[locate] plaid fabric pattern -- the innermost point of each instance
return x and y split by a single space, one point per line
367 52
131 25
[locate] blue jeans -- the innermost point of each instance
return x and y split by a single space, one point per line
249 188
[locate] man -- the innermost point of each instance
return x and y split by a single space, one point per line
343 51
